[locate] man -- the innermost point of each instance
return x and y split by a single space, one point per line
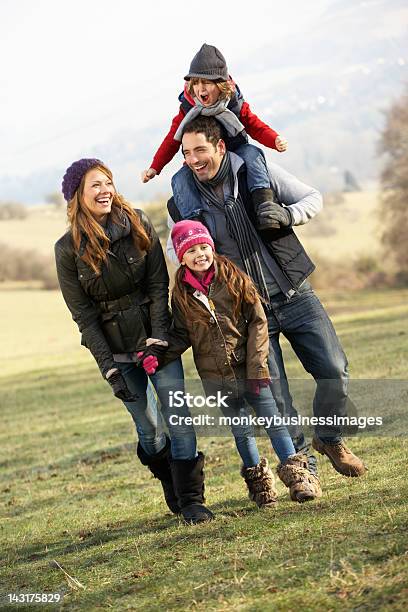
212 187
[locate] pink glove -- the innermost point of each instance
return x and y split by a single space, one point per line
149 363
254 386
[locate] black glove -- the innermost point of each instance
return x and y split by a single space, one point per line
120 388
157 350
269 214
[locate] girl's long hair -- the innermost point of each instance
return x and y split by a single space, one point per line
239 286
81 221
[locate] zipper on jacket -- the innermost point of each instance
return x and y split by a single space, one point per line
213 313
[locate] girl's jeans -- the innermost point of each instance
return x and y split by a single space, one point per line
147 419
264 406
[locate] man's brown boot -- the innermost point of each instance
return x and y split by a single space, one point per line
341 457
303 486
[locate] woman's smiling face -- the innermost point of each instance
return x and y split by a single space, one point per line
98 193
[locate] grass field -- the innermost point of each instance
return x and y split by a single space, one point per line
80 516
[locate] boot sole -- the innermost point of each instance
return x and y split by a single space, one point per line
322 452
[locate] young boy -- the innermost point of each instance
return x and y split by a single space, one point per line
209 90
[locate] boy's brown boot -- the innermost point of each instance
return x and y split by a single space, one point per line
261 484
303 486
341 457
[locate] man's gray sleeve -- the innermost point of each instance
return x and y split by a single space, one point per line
170 252
304 201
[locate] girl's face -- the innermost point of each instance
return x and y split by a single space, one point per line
98 194
206 91
198 258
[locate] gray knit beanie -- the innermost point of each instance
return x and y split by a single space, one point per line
209 63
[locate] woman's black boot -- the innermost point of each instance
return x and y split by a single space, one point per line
188 478
159 465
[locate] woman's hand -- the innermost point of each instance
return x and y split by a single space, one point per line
147 175
120 388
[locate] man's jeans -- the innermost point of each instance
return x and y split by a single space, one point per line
305 323
147 419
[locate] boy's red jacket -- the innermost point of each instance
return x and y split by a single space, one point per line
254 127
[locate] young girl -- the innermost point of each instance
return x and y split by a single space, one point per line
217 311
210 90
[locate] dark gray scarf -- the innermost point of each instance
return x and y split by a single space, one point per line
239 224
219 110
118 228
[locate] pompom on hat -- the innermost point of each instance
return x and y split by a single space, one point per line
73 175
186 234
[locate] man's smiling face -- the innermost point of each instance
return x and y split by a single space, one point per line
202 157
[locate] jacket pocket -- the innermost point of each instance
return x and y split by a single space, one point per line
136 264
238 355
111 329
124 330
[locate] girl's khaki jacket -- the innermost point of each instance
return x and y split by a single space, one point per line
226 352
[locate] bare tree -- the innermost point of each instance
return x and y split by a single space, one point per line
394 181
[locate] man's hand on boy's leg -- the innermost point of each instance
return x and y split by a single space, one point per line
148 174
281 144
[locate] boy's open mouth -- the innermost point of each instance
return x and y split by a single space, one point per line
204 98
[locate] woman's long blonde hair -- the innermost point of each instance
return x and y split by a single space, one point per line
239 286
81 222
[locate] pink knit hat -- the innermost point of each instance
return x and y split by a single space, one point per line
187 233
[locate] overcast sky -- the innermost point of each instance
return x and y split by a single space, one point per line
74 72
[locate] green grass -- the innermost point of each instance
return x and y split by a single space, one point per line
72 491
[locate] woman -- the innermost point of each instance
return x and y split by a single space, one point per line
114 280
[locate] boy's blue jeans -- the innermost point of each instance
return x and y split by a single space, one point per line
257 172
305 323
147 418
264 406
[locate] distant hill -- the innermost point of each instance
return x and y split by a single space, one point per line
325 89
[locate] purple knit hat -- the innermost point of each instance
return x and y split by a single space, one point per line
187 233
74 174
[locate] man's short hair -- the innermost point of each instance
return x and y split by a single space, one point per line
208 126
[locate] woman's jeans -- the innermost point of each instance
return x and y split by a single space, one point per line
264 406
147 419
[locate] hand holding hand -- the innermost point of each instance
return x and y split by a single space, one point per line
148 174
281 144
149 363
